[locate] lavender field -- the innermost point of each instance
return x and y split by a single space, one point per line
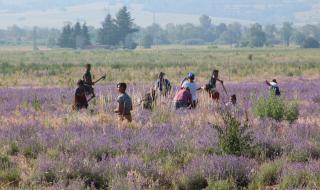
45 145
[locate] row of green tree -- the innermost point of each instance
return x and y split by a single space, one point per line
15 35
121 31
254 35
114 32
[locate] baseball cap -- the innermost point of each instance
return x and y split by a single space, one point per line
191 75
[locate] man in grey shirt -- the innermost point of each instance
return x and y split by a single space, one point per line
124 107
161 87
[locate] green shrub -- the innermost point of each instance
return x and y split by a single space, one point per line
298 156
9 174
276 108
36 104
32 151
300 180
294 181
233 138
196 182
221 185
13 149
271 107
5 162
267 175
292 112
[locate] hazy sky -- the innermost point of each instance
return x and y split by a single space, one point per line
55 13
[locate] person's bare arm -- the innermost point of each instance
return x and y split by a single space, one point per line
268 83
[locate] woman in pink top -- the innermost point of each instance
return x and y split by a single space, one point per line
183 98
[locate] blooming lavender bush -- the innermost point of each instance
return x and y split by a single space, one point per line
44 144
215 167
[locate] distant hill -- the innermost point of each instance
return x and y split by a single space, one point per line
262 11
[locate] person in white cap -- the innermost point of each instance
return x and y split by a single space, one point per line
193 87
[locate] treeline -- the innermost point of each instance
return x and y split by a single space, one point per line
15 35
234 34
121 32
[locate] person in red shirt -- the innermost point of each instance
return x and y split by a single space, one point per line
80 99
183 98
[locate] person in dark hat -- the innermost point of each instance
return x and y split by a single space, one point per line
274 87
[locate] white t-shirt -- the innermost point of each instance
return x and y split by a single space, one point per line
273 84
193 88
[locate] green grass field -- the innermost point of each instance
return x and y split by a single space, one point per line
65 67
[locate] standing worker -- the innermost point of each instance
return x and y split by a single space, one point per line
87 78
274 87
124 106
211 87
193 87
162 87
